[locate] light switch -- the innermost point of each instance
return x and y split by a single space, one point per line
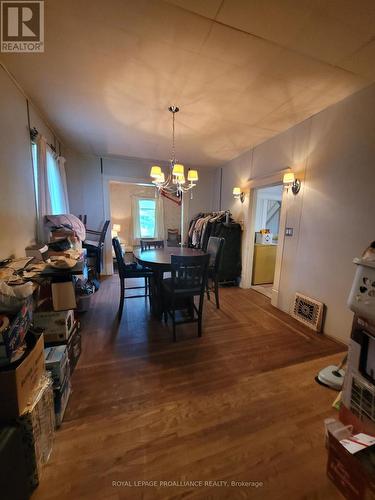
288 231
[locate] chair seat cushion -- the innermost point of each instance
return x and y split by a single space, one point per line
167 285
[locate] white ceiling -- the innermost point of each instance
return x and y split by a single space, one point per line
240 70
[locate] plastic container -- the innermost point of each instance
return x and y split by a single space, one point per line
362 295
83 302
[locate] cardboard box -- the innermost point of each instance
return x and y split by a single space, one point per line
74 346
18 384
61 397
14 477
13 337
57 363
348 472
37 427
56 325
63 296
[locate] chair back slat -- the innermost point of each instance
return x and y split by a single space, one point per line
119 257
215 250
151 244
83 219
104 232
189 272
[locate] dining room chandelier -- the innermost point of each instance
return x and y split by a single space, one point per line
175 183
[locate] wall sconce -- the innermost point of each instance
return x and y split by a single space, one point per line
238 194
290 181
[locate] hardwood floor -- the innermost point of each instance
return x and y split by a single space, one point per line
238 404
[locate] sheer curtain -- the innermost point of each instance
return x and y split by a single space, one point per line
50 180
135 220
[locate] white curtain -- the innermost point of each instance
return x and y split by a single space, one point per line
42 187
64 188
51 188
135 219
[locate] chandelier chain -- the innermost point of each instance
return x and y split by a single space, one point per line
173 141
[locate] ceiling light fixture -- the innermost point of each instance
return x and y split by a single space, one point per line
175 183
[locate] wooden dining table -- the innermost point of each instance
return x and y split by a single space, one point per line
159 261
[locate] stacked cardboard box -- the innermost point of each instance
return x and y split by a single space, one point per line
14 477
56 325
19 381
57 363
13 331
73 345
354 474
37 428
27 402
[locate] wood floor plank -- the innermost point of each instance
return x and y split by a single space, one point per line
238 404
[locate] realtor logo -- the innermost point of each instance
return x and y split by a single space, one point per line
22 26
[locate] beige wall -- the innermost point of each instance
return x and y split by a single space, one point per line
17 198
333 216
85 190
85 184
121 208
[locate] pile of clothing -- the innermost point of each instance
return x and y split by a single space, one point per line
220 225
202 225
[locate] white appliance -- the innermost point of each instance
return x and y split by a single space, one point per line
263 239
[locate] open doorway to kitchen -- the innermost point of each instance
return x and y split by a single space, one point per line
267 226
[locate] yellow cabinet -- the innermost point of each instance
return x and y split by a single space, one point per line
264 264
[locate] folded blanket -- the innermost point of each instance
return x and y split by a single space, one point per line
69 221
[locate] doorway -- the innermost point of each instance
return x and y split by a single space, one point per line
266 239
136 213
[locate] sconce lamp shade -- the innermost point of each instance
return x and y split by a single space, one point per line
236 191
161 177
288 178
192 175
116 227
178 170
155 172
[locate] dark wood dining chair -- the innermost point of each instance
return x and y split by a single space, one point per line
126 271
95 247
83 219
174 238
215 250
151 244
188 280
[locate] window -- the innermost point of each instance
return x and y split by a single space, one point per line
55 187
52 180
147 217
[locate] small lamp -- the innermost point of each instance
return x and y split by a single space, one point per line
155 172
192 175
289 180
238 194
115 230
178 170
160 179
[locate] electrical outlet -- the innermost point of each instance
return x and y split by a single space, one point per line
288 231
